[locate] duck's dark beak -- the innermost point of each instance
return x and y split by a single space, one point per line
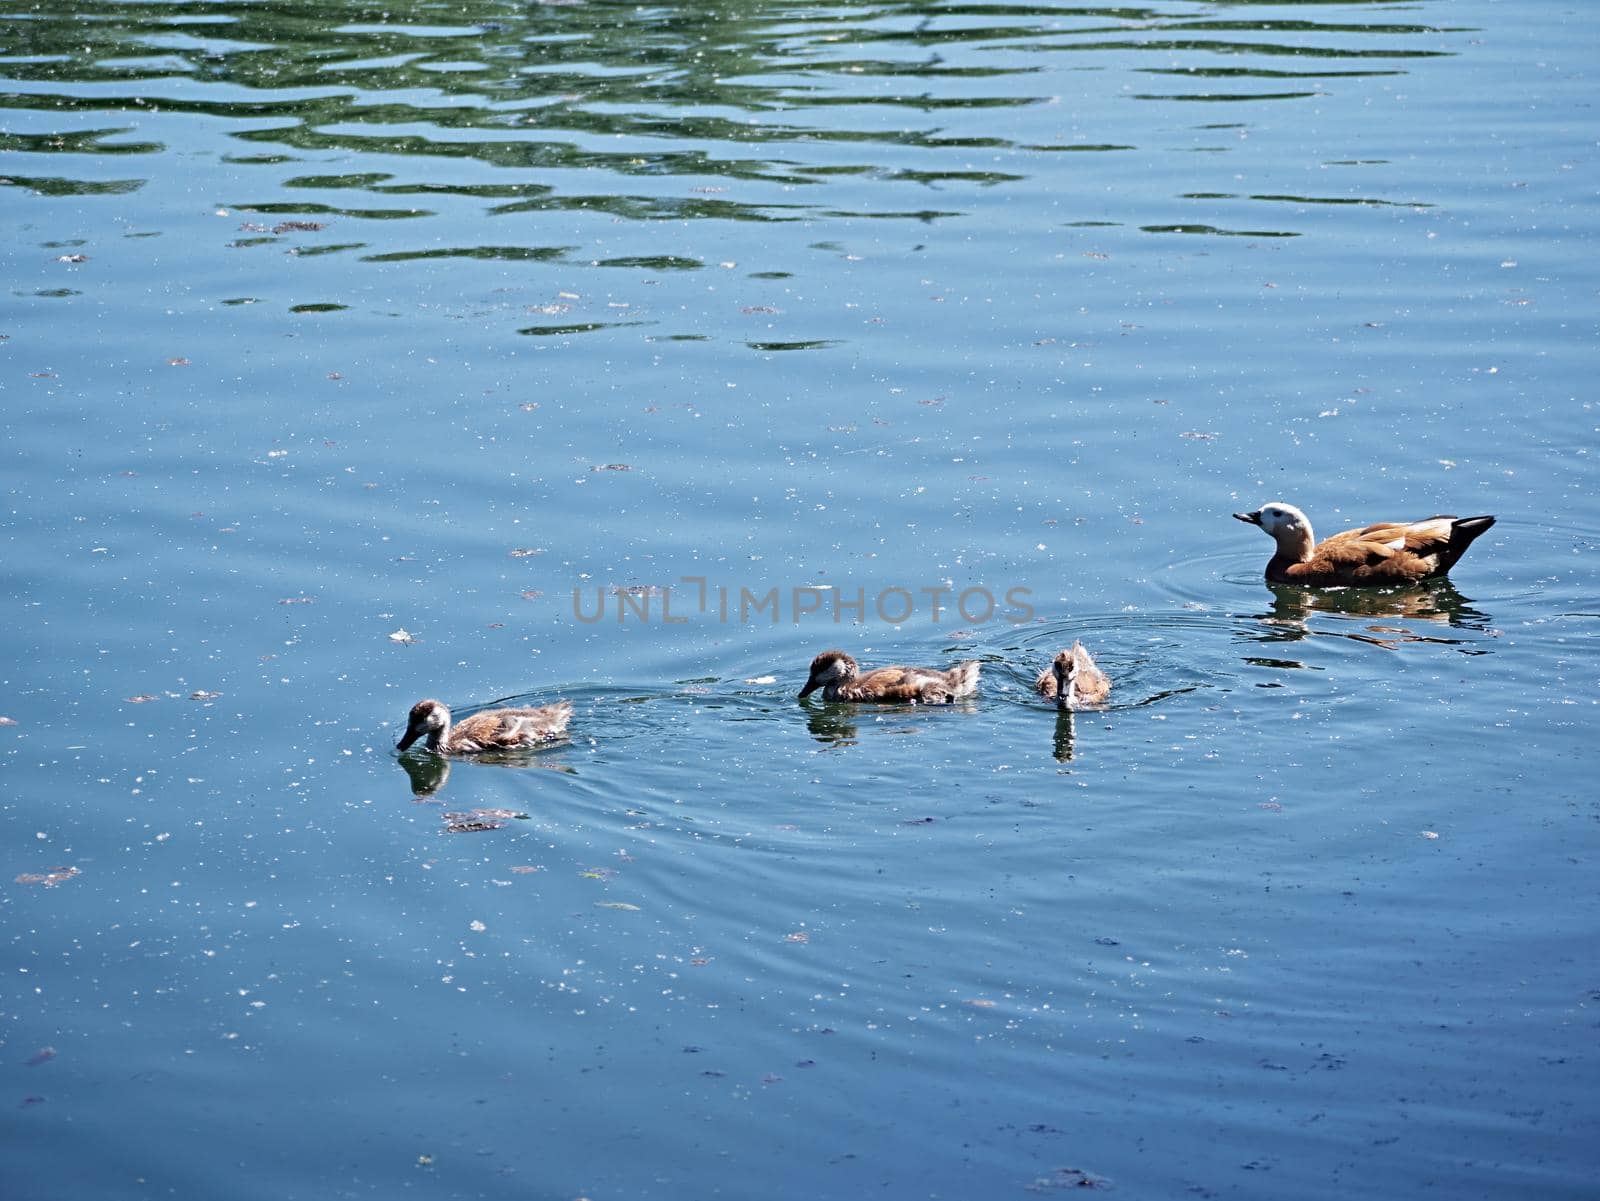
811 686
1252 518
412 734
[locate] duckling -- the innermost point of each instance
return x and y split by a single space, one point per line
840 679
1073 679
1388 552
491 730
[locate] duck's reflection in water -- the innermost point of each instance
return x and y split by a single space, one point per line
832 725
1438 603
1061 746
428 771
836 723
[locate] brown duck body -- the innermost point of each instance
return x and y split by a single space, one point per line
491 730
1073 679
1386 552
840 679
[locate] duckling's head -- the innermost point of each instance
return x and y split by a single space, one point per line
428 719
1064 667
827 668
1282 521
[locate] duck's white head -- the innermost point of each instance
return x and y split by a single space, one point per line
427 719
1283 521
827 668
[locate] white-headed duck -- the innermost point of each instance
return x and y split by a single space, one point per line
840 679
491 730
1388 552
1073 679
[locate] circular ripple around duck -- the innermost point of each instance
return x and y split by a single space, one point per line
1150 656
1203 582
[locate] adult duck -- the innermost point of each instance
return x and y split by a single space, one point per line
1387 552
841 679
491 730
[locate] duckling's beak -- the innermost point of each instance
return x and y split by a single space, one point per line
1252 518
811 686
412 734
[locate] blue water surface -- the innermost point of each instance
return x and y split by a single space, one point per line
634 355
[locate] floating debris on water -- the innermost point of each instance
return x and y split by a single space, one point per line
49 879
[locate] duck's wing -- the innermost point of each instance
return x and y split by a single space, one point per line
1089 683
546 721
899 684
476 733
1045 685
1386 552
557 714
922 685
1418 537
1094 686
501 729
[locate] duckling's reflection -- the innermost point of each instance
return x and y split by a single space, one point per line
428 770
1294 605
1064 735
834 723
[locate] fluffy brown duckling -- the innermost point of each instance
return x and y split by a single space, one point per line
1073 679
1388 552
491 730
836 673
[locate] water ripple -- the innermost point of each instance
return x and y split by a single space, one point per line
671 92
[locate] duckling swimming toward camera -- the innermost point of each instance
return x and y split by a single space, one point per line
491 730
840 679
1387 552
1073 679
